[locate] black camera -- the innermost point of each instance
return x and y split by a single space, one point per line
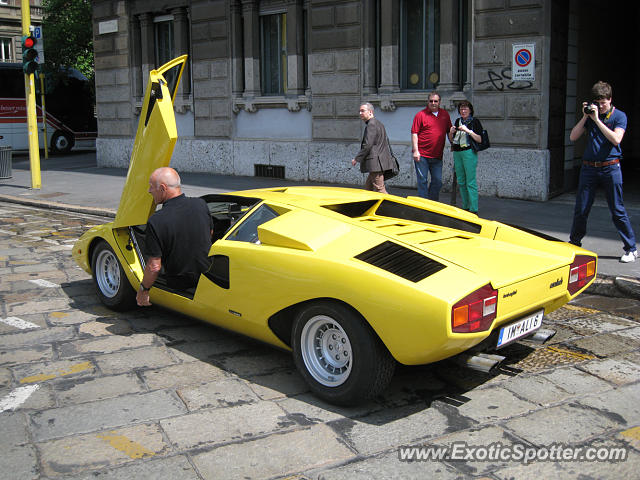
589 109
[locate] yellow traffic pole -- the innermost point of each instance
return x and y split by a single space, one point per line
44 115
30 97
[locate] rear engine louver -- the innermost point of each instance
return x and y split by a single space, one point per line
400 261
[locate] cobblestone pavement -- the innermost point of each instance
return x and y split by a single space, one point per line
90 393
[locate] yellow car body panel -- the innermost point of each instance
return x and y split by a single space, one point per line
310 248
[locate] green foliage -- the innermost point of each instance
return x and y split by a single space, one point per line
68 36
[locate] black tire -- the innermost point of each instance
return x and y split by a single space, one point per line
112 286
62 142
362 366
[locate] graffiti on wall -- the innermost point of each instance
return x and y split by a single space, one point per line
503 79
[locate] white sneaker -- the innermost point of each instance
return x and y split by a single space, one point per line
629 257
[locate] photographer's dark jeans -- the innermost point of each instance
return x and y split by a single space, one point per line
425 167
610 179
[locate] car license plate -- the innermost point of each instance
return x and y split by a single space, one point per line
519 329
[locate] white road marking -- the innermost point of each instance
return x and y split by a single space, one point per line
18 323
44 283
17 397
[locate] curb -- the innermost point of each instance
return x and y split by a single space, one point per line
103 212
611 286
604 285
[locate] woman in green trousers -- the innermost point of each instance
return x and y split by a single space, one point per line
466 129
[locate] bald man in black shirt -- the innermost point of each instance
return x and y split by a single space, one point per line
178 236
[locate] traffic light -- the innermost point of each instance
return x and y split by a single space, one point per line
29 54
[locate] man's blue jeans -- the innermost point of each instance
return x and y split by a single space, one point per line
610 179
425 167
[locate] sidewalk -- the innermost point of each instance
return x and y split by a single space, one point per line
74 182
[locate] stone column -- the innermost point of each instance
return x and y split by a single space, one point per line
389 46
449 75
370 62
181 46
295 60
137 86
251 48
146 46
237 70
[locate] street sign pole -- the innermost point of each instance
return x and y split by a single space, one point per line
30 97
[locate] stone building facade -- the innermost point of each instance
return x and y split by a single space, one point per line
11 28
273 87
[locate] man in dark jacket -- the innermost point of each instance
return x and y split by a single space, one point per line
178 236
374 155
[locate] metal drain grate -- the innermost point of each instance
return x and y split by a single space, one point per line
271 171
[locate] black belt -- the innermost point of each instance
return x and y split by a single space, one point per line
602 164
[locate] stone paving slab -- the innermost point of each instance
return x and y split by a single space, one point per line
177 467
107 344
388 466
19 463
38 336
182 374
226 392
576 381
618 372
113 412
570 424
45 371
387 429
26 355
275 456
72 455
138 359
492 404
224 425
537 389
74 391
627 469
475 437
616 404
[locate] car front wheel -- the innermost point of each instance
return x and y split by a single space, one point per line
111 283
339 355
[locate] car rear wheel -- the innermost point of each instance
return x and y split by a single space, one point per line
111 283
339 355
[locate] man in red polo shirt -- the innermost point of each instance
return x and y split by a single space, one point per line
429 129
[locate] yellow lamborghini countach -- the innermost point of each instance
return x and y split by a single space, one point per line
349 280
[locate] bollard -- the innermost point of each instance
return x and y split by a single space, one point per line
5 162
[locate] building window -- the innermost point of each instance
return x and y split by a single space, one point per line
6 55
273 47
269 45
419 44
163 39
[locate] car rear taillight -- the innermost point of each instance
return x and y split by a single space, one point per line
581 272
475 312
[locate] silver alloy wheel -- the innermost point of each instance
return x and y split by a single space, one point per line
326 351
107 272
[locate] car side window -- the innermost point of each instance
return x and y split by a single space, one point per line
247 231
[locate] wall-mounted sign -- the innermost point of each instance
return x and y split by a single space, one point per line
108 26
523 62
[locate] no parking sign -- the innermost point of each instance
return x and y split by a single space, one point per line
523 65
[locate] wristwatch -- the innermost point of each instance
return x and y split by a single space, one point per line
143 288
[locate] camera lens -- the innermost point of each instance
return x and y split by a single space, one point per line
588 109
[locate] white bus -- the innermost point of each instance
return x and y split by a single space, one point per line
71 120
